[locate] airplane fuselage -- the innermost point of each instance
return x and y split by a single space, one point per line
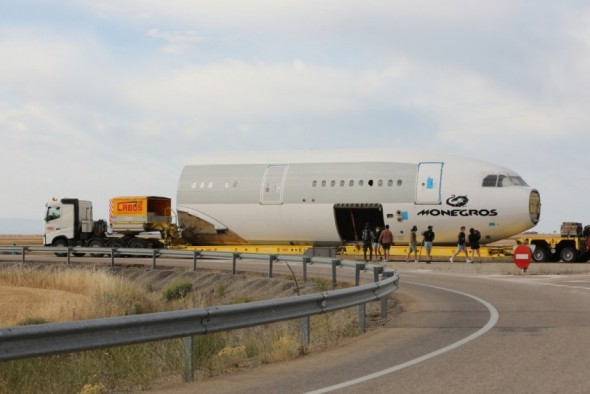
328 199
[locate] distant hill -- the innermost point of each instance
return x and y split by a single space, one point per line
21 226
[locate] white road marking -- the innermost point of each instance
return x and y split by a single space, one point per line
494 316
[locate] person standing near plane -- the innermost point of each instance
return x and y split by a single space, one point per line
368 237
386 239
376 245
428 240
461 246
413 246
474 237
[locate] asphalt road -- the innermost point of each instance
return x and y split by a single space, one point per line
461 331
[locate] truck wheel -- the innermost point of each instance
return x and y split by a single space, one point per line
61 243
568 255
540 254
117 243
96 243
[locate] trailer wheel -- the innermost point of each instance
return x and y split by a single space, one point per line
540 254
568 255
96 243
138 243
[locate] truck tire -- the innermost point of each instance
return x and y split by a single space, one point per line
96 243
61 243
540 254
568 255
117 243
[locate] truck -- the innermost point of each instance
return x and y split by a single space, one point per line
134 222
571 245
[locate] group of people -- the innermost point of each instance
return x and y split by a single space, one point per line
474 237
375 240
384 238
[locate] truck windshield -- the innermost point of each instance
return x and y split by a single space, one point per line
52 214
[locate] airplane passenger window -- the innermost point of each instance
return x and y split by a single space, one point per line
314 183
399 182
380 183
227 185
323 183
361 182
235 184
390 183
342 183
490 181
351 183
210 185
370 182
333 183
194 185
202 185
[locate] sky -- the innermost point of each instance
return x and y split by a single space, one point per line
108 98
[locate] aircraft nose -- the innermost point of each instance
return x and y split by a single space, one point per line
535 206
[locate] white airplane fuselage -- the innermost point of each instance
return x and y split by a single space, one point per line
326 198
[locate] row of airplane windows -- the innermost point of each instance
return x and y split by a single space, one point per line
361 182
324 183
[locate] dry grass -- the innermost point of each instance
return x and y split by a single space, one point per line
58 293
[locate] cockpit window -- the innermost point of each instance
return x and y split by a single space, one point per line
490 181
503 181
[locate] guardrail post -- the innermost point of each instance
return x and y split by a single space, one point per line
306 260
69 253
305 327
384 301
24 252
112 257
271 259
195 253
358 267
335 263
154 258
362 313
189 359
376 272
233 263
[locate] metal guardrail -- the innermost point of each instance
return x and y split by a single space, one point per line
54 338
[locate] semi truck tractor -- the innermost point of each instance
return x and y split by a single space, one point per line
134 222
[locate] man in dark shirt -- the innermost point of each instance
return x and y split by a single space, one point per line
428 240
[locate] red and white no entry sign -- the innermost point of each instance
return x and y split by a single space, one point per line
522 256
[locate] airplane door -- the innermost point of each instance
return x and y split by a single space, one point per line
272 184
428 187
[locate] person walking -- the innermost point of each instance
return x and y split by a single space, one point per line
413 245
474 237
368 237
376 245
461 246
386 239
428 240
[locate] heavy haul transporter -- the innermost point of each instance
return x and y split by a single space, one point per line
133 223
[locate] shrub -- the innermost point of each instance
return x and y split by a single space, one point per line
177 288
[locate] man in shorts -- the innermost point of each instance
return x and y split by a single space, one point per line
461 246
428 240
386 239
413 246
